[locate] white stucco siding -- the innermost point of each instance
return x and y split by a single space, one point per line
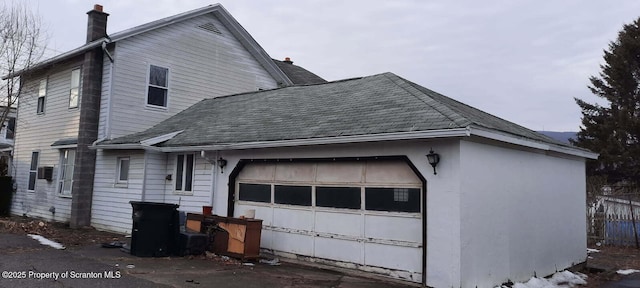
111 209
36 132
522 212
201 65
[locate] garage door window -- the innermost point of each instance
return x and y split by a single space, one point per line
292 195
392 199
338 197
255 192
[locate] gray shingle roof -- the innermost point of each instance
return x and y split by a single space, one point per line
297 74
378 104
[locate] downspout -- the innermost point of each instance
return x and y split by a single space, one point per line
107 122
144 176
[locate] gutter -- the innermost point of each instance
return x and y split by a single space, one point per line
443 133
485 133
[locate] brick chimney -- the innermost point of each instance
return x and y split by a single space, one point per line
287 60
96 24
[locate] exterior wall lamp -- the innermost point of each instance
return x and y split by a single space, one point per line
222 163
433 159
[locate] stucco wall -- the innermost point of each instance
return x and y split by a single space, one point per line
443 226
522 212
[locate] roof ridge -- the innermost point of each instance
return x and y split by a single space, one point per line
446 111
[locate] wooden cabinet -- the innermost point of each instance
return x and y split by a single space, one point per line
235 237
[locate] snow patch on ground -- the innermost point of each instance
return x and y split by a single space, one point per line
627 271
559 280
590 250
45 241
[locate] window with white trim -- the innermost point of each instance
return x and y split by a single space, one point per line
67 161
33 171
157 92
74 90
184 172
42 94
123 170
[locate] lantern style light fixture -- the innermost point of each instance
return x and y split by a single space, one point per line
222 163
433 159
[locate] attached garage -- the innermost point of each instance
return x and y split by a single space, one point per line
365 214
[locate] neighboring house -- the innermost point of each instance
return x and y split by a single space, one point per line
7 137
119 84
339 174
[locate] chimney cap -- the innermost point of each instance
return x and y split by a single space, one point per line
97 7
287 60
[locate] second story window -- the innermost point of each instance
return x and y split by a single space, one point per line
42 94
74 91
158 86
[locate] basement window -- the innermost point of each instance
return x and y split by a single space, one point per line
255 192
392 199
338 197
292 195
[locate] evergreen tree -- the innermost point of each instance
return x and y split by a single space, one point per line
614 130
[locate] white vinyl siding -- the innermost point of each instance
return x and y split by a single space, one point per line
36 133
74 90
201 65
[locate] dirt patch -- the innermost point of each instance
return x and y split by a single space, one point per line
58 232
602 266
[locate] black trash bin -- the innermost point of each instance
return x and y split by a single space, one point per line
6 194
155 229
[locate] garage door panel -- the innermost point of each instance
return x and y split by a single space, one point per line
393 228
295 172
292 243
337 172
394 257
262 212
338 249
390 172
339 223
257 172
297 219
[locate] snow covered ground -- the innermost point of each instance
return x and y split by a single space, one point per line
559 280
45 241
627 271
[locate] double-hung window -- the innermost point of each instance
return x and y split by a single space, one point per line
11 128
33 171
184 172
42 94
158 89
68 158
123 170
74 90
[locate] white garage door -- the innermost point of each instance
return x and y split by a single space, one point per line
364 215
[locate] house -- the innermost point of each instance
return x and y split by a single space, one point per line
7 136
345 173
119 84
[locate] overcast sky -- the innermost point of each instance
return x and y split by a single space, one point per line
523 61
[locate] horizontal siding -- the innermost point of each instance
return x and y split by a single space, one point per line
202 65
202 194
38 132
111 209
156 174
104 98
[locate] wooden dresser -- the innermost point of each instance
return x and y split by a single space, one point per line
234 237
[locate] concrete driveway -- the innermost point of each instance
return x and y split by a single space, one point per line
26 263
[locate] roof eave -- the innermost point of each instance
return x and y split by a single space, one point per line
503 137
431 134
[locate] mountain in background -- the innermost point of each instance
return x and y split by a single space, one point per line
560 136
